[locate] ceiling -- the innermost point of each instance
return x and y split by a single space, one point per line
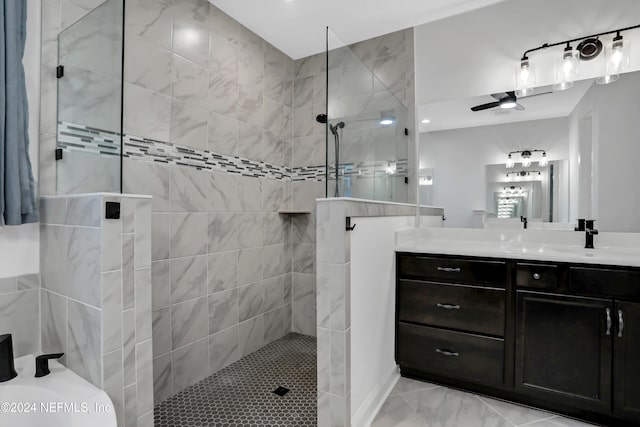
297 27
457 114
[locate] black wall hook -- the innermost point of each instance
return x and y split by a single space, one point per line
349 226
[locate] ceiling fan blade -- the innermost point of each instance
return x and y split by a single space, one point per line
535 94
485 106
519 107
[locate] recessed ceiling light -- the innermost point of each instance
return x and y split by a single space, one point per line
425 121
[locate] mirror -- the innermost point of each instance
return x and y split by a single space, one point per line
574 154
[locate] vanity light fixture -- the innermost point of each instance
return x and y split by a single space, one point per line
522 174
589 47
526 156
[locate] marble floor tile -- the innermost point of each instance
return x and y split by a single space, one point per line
406 385
396 412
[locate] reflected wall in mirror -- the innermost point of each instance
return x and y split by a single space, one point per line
591 137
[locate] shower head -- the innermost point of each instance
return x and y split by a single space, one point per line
322 118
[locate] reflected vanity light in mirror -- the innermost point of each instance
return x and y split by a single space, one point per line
188 36
425 121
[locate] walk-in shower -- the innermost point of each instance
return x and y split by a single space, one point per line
367 125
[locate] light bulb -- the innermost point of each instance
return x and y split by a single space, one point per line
526 162
617 60
510 163
566 69
543 161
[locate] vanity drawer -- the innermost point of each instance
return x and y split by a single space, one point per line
456 354
487 273
538 276
467 308
603 281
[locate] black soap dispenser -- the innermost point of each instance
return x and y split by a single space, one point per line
7 369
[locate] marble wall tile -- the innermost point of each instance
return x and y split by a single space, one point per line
304 255
324 410
17 313
143 304
222 232
273 326
223 349
223 310
222 271
150 19
160 284
112 244
47 164
189 322
148 178
190 364
222 195
250 141
304 194
340 410
195 9
53 322
250 106
274 291
303 121
83 249
148 114
113 380
48 99
53 211
304 319
130 406
160 236
273 148
162 378
251 64
144 383
142 235
129 346
276 260
189 189
324 360
128 271
303 228
273 116
249 194
250 230
162 331
53 266
223 58
147 65
249 265
304 288
223 134
224 95
340 358
250 301
111 311
83 340
251 335
273 196
189 82
188 278
303 91
189 125
287 315
190 38
84 211
188 234
276 229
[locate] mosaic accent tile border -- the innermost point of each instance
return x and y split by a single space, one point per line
76 137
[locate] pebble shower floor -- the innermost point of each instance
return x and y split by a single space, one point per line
241 395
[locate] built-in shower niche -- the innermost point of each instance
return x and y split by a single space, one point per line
89 133
373 144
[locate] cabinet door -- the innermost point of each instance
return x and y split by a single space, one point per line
563 349
626 374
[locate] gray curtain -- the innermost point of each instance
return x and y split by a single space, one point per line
17 194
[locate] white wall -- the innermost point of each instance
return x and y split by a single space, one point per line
476 53
19 246
459 157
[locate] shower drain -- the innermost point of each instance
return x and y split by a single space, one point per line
281 391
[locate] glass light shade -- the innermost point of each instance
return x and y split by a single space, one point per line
566 70
617 60
526 162
525 78
543 161
510 163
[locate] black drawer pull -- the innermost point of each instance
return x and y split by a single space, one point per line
449 269
447 353
536 276
448 306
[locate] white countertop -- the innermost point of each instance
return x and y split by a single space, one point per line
621 249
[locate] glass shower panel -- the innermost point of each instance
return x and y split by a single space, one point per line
372 145
89 135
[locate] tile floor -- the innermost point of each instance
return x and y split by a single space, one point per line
242 393
415 403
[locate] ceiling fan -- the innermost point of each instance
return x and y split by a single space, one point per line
506 100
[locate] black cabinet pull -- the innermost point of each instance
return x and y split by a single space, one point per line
620 324
536 276
447 353
608 321
449 269
448 306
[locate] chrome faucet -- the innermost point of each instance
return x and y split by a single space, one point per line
590 231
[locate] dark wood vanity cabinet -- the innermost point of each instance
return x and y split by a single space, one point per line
558 336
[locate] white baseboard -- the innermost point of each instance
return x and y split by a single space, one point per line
371 406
